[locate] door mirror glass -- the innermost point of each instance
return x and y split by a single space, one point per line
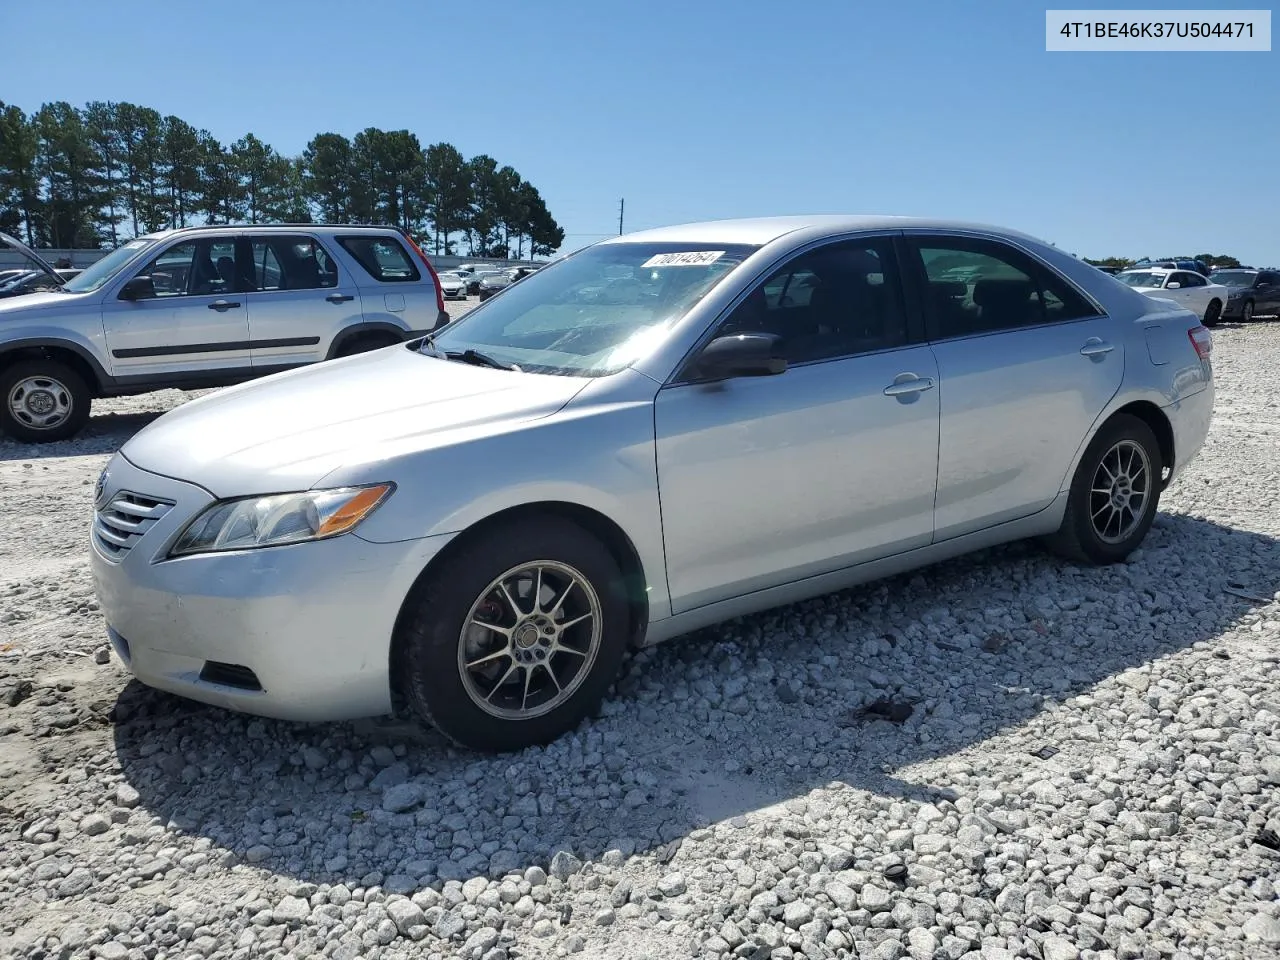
1172 285
139 288
742 355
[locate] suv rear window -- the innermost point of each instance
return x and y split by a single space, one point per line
383 258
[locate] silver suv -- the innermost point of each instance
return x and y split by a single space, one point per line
206 307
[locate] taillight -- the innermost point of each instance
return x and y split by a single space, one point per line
435 277
1202 340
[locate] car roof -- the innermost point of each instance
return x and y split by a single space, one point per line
271 228
761 230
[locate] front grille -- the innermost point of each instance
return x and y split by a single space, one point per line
124 520
230 675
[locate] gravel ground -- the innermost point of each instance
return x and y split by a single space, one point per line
1090 760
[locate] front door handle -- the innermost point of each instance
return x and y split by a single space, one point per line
339 297
907 387
221 305
1095 347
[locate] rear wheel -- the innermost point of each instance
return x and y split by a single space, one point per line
517 638
43 401
1212 314
1114 494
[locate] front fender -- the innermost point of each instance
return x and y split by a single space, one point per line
86 348
599 457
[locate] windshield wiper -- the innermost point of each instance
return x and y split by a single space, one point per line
476 358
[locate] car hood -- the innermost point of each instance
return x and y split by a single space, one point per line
288 431
32 301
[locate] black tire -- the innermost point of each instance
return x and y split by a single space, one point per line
51 382
429 636
1212 313
1077 539
363 344
1246 311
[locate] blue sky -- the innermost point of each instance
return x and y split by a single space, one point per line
700 110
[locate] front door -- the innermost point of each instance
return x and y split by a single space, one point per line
301 299
1026 364
190 323
767 480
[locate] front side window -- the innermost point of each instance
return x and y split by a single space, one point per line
835 301
597 311
1191 280
291 263
977 286
383 258
193 268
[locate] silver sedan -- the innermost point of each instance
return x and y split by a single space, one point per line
655 433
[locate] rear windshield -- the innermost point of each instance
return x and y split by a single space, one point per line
383 258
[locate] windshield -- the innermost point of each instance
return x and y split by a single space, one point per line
1142 278
103 270
1234 278
595 312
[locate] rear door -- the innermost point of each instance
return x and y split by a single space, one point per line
1026 364
395 289
301 299
1267 293
194 324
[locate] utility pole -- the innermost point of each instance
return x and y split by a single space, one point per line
622 204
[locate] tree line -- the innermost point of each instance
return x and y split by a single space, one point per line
94 176
1210 260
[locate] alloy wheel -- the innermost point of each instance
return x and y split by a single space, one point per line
1120 490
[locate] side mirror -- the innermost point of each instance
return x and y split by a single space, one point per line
1172 285
741 355
138 288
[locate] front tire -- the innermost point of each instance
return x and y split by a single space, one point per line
1246 311
42 401
1213 312
517 638
1114 494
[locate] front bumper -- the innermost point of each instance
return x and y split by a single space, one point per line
300 632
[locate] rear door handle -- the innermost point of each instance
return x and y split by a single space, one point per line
1095 347
904 388
221 305
339 297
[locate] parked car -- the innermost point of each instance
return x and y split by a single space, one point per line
1111 270
454 285
1203 297
29 281
1249 292
7 275
206 306
492 282
478 278
620 474
522 271
1174 263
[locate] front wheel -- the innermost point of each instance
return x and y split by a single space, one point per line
1246 312
517 638
43 401
1213 312
1114 494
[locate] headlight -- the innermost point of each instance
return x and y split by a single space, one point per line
279 519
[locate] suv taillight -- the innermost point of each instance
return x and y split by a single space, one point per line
435 277
1202 340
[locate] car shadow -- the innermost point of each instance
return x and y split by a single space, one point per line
299 799
104 433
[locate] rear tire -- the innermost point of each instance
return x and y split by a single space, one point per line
42 401
481 625
1212 314
1114 494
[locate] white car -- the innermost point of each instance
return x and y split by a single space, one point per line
1186 288
453 286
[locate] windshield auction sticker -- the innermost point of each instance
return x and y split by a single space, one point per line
696 258
1158 30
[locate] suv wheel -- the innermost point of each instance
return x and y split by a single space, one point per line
1113 496
42 401
517 638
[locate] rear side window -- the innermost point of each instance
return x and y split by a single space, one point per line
291 263
383 258
975 286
